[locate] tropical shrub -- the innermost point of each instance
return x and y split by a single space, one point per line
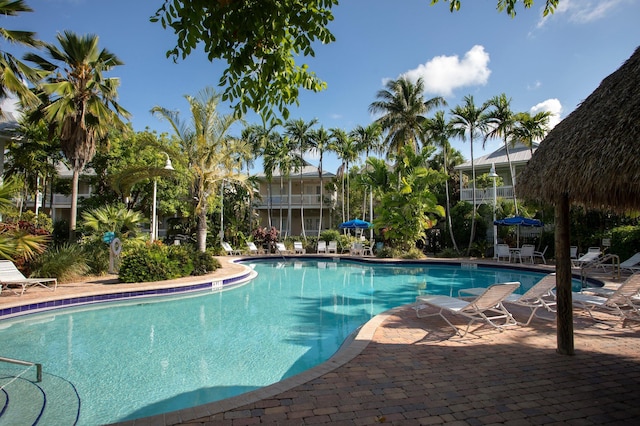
158 262
67 263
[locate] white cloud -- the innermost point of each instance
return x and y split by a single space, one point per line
582 11
536 85
10 104
443 74
552 105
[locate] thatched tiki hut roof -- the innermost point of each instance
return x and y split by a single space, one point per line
592 157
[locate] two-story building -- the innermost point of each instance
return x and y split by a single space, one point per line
294 199
519 156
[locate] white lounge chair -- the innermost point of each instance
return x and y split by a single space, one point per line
282 249
487 307
322 246
585 259
540 254
230 250
632 264
252 248
540 295
502 252
333 247
622 302
298 248
10 276
356 249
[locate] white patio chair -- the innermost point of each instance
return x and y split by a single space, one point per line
333 247
502 251
322 246
540 295
526 253
585 259
632 264
540 254
487 307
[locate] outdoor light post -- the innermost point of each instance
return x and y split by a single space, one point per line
154 219
493 175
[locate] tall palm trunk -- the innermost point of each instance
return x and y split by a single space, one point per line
473 217
448 206
513 178
201 230
74 205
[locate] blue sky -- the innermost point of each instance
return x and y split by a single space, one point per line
541 64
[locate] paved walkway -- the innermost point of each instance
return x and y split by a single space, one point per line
408 371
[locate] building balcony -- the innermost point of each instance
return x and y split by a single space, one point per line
485 196
277 201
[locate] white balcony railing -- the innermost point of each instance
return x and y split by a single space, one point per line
309 201
485 196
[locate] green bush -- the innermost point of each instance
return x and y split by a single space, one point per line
96 253
149 263
625 241
158 262
330 235
65 262
204 263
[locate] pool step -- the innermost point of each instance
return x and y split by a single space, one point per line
52 401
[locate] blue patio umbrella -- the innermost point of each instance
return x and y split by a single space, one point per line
355 224
518 221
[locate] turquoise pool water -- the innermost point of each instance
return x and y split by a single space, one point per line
148 356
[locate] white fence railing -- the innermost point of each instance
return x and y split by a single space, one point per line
485 196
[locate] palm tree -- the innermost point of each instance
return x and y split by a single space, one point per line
320 141
209 151
471 120
367 139
13 71
299 133
82 105
530 128
439 131
347 150
502 122
403 107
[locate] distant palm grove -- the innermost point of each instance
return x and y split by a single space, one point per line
215 178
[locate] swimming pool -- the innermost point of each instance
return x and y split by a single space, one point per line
116 361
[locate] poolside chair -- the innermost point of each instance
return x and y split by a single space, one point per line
573 253
502 252
356 249
540 254
252 248
367 249
526 253
632 264
282 249
10 276
540 295
333 247
322 246
585 259
623 302
298 248
230 251
487 307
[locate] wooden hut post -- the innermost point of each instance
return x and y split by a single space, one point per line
564 317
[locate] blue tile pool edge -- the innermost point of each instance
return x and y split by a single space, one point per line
195 285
